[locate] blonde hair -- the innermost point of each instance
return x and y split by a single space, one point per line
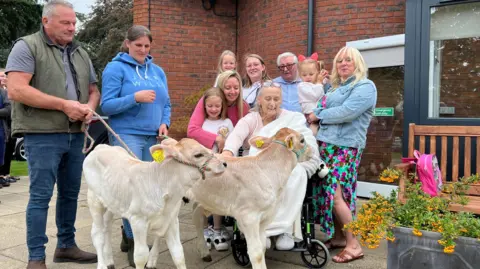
319 65
265 76
219 93
220 60
360 71
222 79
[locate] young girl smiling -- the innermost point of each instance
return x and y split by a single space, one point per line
216 122
226 61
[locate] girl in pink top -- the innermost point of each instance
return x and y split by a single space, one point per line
230 83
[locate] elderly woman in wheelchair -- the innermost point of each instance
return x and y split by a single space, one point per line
265 119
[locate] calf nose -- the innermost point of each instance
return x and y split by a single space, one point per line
225 164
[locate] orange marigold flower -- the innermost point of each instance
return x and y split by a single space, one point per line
391 239
449 249
417 232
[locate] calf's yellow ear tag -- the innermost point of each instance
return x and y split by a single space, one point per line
290 144
259 143
158 156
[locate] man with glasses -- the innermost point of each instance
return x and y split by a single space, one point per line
289 80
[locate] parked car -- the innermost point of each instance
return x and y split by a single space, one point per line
97 130
19 152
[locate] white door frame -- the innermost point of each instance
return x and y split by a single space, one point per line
374 51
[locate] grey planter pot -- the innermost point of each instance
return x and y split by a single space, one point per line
412 252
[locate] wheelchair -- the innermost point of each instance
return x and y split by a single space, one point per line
312 251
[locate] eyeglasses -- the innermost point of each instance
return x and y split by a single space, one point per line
271 83
287 66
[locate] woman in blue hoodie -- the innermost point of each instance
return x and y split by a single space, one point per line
135 97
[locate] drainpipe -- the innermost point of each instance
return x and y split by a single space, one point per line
310 27
149 1
236 27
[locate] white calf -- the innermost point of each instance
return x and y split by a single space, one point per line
250 190
148 194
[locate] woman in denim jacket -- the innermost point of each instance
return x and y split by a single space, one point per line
344 115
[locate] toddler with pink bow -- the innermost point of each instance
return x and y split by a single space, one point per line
310 91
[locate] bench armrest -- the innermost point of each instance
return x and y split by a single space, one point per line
405 167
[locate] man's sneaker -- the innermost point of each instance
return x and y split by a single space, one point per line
225 233
285 242
219 241
208 235
4 182
10 179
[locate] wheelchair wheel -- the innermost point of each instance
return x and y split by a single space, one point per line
316 255
239 250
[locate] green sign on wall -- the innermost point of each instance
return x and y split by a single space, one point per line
383 112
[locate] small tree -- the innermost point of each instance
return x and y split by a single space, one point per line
17 18
104 30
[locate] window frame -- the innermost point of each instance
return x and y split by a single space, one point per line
422 41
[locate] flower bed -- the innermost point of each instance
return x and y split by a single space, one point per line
378 218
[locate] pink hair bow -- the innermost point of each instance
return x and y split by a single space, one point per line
302 58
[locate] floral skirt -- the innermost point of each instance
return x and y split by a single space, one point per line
343 163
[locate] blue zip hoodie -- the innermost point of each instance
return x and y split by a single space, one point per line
121 79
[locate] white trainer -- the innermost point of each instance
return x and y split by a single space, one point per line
285 242
219 241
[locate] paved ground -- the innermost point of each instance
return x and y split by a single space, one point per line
13 249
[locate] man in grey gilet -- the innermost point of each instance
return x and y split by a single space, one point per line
52 84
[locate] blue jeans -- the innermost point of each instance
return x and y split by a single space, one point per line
52 158
140 146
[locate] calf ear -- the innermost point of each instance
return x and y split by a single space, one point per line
260 142
169 141
160 152
289 141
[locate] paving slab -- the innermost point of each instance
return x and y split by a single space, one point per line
14 254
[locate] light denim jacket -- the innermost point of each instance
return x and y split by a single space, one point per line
349 109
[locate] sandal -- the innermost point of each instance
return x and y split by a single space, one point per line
346 257
329 244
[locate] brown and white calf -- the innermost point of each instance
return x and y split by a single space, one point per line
250 190
148 194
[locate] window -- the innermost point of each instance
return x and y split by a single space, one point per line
454 61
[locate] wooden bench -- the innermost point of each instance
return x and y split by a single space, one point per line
441 133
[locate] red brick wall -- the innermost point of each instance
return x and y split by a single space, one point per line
269 28
340 21
187 43
189 39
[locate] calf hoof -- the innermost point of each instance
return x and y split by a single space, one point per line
111 267
207 258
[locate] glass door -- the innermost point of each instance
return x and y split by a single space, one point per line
450 93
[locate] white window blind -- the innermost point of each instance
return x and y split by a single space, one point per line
382 51
455 21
